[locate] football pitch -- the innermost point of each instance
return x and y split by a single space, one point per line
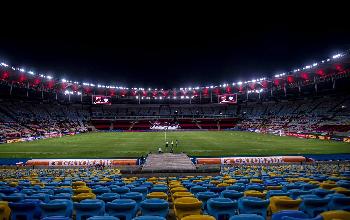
194 143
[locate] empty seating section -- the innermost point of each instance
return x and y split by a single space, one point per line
310 191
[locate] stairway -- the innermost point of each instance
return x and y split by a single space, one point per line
168 162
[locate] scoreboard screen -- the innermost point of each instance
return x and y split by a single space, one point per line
101 100
228 98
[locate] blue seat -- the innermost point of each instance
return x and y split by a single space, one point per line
159 188
247 217
231 194
217 189
295 193
122 208
136 196
313 205
221 207
319 217
108 197
63 190
344 183
103 218
88 208
205 196
253 205
101 190
140 189
120 190
41 196
56 218
57 207
15 197
321 192
292 213
154 207
308 186
8 190
61 196
196 189
290 186
239 188
338 202
149 218
28 191
27 208
257 187
271 193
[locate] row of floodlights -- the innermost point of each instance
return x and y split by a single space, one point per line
336 56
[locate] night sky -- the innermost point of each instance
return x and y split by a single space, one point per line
167 52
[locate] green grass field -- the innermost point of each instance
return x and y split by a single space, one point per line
194 143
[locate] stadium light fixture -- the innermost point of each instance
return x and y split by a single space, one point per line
4 64
49 77
211 87
240 83
64 80
336 56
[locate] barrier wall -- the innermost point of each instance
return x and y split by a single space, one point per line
257 160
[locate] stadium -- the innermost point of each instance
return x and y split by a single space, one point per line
273 147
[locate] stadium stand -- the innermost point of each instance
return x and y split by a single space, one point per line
259 191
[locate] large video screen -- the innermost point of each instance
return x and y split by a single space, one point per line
101 100
228 98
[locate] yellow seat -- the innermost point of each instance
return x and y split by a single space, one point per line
178 189
254 193
256 181
158 195
181 194
78 184
198 217
342 190
4 210
82 196
82 190
223 185
279 203
336 215
328 185
230 181
187 206
215 182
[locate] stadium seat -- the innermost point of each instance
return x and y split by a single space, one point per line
122 208
157 195
177 195
4 210
15 197
279 203
231 194
88 208
154 207
253 205
101 190
56 218
41 196
254 193
28 209
247 217
313 205
136 196
82 196
205 196
57 207
271 193
103 218
336 214
149 218
120 190
108 197
221 208
291 213
338 202
197 189
187 206
140 189
341 190
198 217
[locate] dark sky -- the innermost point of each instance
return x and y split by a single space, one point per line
171 51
